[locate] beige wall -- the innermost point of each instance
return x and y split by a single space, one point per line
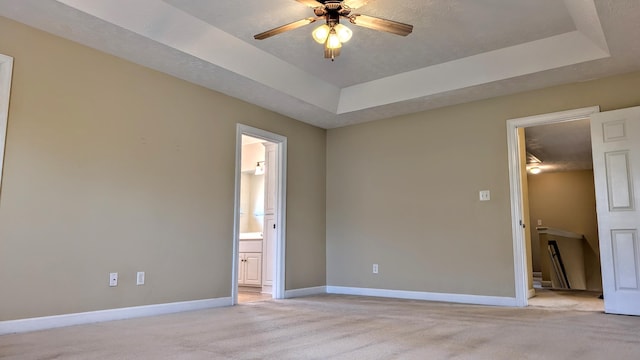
403 192
566 201
112 167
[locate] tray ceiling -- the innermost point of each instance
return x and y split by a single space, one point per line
459 51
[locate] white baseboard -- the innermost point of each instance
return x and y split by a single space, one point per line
288 294
419 295
267 289
50 322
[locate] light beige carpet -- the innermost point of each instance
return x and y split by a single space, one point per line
342 327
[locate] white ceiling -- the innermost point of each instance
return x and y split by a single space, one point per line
459 51
564 146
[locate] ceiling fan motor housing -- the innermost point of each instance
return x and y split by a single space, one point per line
332 10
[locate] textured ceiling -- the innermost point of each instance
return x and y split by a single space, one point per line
563 146
459 51
370 54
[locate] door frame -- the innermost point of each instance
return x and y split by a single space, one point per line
281 187
6 70
519 247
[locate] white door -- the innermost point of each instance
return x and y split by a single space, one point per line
268 250
615 137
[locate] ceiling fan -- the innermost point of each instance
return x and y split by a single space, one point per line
333 34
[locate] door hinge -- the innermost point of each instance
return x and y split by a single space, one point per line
523 225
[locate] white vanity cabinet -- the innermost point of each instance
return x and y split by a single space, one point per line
250 263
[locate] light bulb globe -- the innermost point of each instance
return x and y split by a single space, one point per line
344 33
320 34
333 41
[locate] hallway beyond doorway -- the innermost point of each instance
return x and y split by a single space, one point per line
576 300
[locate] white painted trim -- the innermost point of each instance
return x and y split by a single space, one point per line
279 277
559 232
50 322
6 70
519 249
317 290
420 295
281 204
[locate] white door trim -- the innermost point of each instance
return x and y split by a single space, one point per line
6 69
519 248
281 154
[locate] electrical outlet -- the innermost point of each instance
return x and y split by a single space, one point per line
140 278
113 279
539 222
375 268
485 195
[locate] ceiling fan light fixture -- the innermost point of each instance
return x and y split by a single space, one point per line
333 40
321 33
331 53
344 33
332 34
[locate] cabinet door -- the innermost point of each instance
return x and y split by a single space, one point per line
253 270
241 269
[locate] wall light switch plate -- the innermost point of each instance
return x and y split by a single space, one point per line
140 278
485 195
113 279
375 268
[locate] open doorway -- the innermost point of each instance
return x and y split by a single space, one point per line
549 214
563 231
258 272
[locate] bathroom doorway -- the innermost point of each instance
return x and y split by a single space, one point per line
259 214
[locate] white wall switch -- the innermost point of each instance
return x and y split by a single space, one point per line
140 278
485 195
539 222
113 279
375 268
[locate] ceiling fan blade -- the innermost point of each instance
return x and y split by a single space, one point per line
283 28
310 3
376 23
354 4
